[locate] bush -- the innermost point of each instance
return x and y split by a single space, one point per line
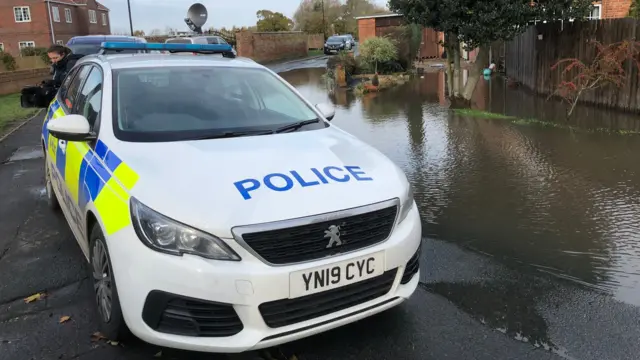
407 39
39 51
378 50
347 61
8 61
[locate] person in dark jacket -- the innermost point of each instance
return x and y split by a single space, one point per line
62 61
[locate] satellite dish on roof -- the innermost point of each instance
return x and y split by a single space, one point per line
196 17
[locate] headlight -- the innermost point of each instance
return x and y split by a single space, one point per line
169 236
406 204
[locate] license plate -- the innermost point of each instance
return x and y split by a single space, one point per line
315 280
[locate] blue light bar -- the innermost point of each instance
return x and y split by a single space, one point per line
197 48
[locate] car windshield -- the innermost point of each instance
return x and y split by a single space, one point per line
335 39
173 103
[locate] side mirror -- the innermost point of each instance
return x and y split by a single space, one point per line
71 128
326 110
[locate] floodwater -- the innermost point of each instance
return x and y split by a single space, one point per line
560 201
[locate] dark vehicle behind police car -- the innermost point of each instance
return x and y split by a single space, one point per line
335 44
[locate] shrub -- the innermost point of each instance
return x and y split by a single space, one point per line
407 39
378 50
36 51
347 61
8 61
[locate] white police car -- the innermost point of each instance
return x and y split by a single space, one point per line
220 211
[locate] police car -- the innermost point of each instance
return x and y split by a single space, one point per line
219 210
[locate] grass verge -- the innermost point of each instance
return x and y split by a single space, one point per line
549 124
11 113
315 52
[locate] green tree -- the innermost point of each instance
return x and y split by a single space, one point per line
634 10
377 50
273 21
478 23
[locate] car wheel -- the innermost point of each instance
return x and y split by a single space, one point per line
52 200
112 324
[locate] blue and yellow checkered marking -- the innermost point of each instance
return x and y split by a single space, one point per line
96 175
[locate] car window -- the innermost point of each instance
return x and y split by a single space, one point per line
71 95
179 41
174 103
89 100
213 40
62 92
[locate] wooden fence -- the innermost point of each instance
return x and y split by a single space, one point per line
530 56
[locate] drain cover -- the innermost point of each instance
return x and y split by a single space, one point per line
26 153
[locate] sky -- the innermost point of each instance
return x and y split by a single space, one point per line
160 14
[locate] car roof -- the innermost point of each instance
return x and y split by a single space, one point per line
123 61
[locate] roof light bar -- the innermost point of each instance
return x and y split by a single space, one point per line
196 48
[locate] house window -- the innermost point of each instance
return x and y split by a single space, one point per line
67 15
22 14
104 19
596 12
56 13
26 44
59 42
92 17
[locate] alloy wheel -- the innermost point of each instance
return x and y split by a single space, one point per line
102 278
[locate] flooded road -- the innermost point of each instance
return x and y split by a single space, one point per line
562 202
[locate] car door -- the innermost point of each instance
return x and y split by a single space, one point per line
58 158
80 155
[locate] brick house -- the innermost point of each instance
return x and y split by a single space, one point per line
610 9
40 23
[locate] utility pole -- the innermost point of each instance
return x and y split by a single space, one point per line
324 27
130 21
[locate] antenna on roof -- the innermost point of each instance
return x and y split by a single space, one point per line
196 17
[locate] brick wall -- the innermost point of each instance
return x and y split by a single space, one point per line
613 9
36 30
12 82
366 29
316 41
271 46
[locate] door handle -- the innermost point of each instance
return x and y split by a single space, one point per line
62 144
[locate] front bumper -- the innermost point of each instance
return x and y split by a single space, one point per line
241 287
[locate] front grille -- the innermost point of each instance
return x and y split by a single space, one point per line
173 314
309 242
290 311
413 265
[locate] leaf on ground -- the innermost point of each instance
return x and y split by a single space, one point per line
64 319
293 357
159 354
34 297
113 343
96 336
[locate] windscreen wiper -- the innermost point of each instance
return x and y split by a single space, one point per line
296 126
230 134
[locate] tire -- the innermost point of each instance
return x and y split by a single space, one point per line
52 200
112 324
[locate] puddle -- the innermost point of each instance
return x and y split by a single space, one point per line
26 153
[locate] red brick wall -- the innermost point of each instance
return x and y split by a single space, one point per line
36 30
316 41
12 82
613 9
271 46
366 29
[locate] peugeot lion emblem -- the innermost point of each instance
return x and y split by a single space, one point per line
333 234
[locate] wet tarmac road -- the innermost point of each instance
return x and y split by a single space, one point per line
482 294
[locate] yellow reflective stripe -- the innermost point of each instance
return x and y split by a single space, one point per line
112 204
53 148
127 177
58 113
75 153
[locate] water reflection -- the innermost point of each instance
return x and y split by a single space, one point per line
566 203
